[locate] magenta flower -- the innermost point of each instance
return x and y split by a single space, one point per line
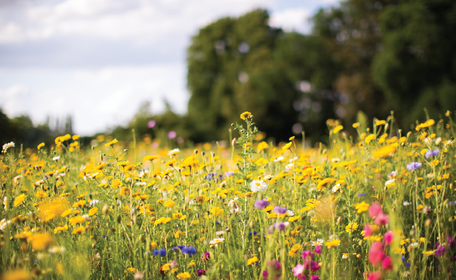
388 237
375 276
318 250
206 256
307 255
387 264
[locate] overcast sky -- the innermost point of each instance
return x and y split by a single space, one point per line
97 60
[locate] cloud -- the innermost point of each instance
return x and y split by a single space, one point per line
292 20
98 60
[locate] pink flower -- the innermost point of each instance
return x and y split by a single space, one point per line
367 230
375 209
376 254
387 264
298 270
388 238
375 276
381 219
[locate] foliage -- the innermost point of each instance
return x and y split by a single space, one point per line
382 206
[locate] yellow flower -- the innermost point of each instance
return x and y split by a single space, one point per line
355 125
130 270
369 138
169 203
246 115
77 220
153 245
79 230
183 275
252 260
338 128
19 200
384 151
362 207
41 241
217 211
287 146
379 122
150 158
115 183
428 123
66 212
51 210
60 229
351 227
17 275
262 146
93 211
111 143
41 194
41 145
428 253
191 264
165 267
177 216
332 243
324 182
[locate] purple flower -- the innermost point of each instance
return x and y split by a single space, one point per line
414 166
432 153
314 277
440 251
229 173
201 272
451 241
280 210
280 226
361 194
318 250
311 265
260 204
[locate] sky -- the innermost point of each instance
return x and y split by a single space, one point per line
98 60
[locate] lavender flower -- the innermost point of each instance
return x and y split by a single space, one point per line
260 204
414 166
280 210
432 153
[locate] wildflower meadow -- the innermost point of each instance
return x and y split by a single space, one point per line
380 205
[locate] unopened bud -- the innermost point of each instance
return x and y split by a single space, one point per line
233 142
119 219
339 220
105 209
428 222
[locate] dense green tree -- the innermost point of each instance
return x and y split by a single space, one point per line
350 36
231 69
416 67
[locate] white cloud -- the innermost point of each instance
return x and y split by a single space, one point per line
98 60
292 20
